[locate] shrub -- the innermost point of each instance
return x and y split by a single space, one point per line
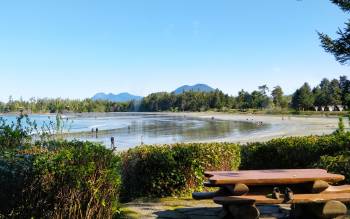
292 152
337 164
159 171
79 180
17 133
16 174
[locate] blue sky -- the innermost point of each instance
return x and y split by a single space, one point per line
75 48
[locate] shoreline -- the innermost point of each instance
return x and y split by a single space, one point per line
281 125
284 125
278 126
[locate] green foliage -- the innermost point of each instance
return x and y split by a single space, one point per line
84 177
344 85
341 126
187 101
65 105
16 133
24 131
340 47
277 95
327 93
79 180
337 164
16 174
159 171
292 152
302 98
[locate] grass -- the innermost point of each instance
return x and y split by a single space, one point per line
128 213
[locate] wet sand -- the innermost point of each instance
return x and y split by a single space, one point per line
282 126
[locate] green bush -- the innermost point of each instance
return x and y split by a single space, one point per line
16 174
16 133
292 152
159 171
337 164
79 180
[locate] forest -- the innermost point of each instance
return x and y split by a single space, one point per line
327 95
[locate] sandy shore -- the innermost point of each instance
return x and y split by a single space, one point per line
281 126
275 126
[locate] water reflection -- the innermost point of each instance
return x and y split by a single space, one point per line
131 129
156 129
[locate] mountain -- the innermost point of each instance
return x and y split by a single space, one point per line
195 88
122 97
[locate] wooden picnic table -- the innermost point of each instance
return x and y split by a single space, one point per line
272 177
239 191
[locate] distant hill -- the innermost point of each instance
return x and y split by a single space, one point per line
195 88
122 97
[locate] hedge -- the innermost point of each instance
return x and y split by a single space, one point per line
337 164
79 180
83 179
16 174
158 171
292 152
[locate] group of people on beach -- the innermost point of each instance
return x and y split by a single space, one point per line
95 131
258 122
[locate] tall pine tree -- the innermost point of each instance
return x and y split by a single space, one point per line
340 47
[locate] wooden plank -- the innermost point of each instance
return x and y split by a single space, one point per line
212 173
302 188
298 199
229 190
337 189
272 177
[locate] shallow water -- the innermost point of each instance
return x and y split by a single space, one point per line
131 129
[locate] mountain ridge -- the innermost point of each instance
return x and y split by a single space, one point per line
121 97
196 88
126 97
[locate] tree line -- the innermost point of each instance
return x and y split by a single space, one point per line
335 92
327 93
58 105
216 100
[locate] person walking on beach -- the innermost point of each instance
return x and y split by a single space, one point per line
96 132
112 143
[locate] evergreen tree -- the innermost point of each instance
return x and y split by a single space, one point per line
340 47
317 93
277 95
303 98
244 100
335 93
325 97
264 89
344 84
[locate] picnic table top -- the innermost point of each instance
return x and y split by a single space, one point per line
271 177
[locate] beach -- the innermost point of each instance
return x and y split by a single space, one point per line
283 125
132 129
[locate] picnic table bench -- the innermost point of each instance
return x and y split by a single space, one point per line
312 193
